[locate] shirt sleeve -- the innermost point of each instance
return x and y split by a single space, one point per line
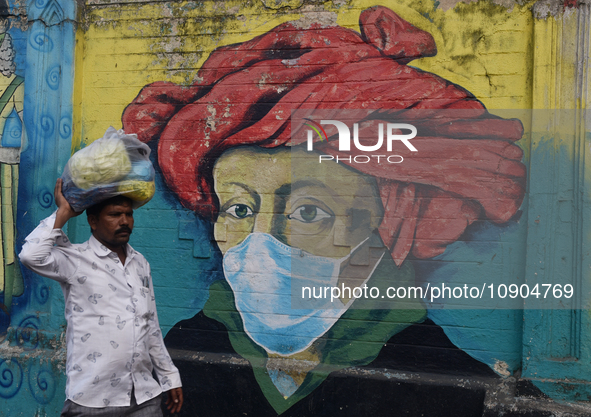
167 373
45 252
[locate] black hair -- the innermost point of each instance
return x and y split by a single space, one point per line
98 207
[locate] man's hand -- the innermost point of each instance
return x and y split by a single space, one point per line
175 400
64 210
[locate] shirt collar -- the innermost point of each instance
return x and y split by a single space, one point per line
101 250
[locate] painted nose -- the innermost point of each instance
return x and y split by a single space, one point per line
263 223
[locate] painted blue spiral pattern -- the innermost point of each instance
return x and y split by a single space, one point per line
15 134
42 383
42 293
11 378
65 127
13 130
27 333
46 126
45 197
53 77
39 41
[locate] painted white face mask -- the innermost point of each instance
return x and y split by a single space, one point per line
261 271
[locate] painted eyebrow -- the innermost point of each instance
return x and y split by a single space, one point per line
312 183
287 189
255 196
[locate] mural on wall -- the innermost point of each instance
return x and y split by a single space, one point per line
225 149
226 201
37 41
12 141
11 105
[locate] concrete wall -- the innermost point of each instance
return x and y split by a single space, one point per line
210 86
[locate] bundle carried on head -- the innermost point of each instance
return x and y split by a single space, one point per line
116 164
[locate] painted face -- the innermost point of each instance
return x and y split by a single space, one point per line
114 224
324 209
285 195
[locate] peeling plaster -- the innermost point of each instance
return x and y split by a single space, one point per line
19 18
278 4
545 8
295 4
211 120
541 9
450 4
167 10
290 365
56 352
502 368
315 15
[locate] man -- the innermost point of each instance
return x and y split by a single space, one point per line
114 342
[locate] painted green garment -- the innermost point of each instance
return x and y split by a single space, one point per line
8 93
11 280
356 338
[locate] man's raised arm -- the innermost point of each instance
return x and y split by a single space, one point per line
39 252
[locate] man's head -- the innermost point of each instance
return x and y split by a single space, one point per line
111 221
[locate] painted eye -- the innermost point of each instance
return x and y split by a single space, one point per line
240 211
309 213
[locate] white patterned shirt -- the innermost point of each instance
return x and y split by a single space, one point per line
113 337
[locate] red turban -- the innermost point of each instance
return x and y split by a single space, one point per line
466 169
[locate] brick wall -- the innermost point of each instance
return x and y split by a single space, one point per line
214 102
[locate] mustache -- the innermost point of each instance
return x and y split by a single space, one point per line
123 229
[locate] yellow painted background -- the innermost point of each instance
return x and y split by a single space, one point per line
484 47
